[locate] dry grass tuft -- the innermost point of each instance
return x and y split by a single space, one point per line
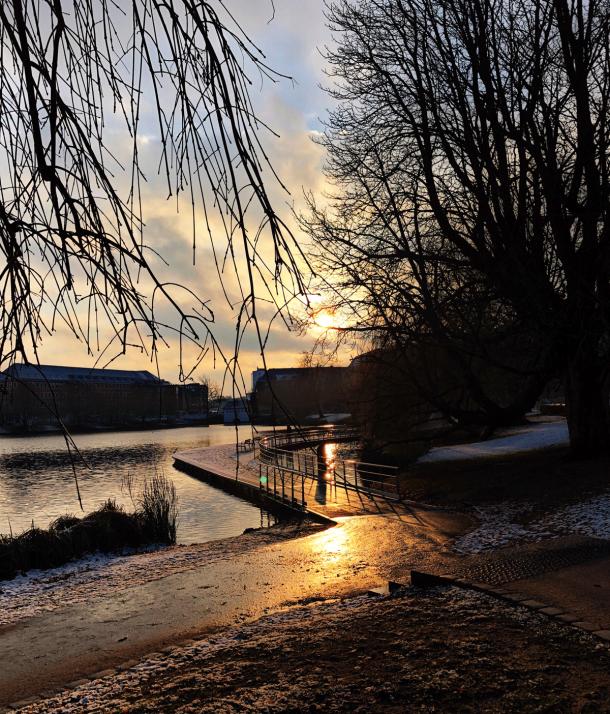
108 529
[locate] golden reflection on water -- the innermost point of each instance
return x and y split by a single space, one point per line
329 452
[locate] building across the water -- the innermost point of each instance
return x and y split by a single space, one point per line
43 397
237 411
301 394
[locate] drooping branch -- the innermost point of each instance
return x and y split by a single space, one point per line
82 86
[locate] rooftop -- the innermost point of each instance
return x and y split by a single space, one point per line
59 373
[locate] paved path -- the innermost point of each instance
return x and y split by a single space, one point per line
582 590
67 644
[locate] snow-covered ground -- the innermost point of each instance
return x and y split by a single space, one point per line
99 575
520 440
508 523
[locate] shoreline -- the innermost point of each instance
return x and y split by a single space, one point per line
153 620
100 575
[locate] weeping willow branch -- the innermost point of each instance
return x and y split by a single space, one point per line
79 83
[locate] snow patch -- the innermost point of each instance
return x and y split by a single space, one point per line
520 441
499 524
590 518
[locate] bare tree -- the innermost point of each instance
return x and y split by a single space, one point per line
214 388
74 76
470 148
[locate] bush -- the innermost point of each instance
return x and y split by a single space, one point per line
158 509
36 548
105 530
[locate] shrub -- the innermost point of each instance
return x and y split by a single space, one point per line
158 509
107 529
63 523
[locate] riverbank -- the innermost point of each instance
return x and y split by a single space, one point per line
118 429
280 624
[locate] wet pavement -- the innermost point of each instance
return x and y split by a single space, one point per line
72 642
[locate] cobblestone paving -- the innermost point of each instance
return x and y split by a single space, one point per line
528 561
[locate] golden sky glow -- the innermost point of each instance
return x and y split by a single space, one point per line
293 109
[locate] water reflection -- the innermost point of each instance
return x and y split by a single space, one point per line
327 455
37 483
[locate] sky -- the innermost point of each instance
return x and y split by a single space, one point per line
291 34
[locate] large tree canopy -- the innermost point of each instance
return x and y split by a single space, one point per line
76 79
469 148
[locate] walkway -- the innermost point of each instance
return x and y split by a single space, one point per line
53 649
581 589
239 473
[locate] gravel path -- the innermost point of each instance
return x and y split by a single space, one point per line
442 650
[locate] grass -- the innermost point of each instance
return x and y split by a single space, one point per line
548 477
108 529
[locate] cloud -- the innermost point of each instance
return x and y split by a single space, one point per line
292 109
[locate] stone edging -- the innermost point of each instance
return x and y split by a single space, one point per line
421 579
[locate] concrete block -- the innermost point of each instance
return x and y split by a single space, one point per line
516 597
427 580
534 604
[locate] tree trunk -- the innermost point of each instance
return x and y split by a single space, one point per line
587 401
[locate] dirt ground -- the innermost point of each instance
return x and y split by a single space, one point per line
441 650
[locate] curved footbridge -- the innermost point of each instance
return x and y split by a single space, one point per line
299 471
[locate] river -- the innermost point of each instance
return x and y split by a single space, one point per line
37 481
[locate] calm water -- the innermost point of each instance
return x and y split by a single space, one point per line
37 483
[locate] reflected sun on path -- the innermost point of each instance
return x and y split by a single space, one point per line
332 544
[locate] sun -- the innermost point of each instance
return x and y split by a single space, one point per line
326 319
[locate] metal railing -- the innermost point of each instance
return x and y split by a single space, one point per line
296 453
286 487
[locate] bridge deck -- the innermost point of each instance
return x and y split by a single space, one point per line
239 473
